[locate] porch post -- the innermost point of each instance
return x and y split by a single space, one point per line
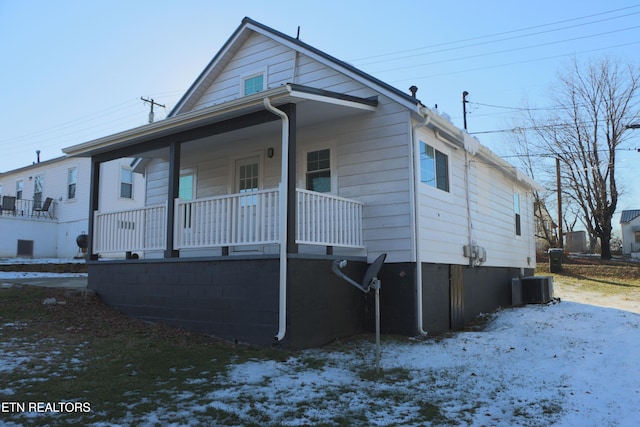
292 246
93 205
172 194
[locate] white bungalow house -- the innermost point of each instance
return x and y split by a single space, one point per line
280 159
630 225
45 206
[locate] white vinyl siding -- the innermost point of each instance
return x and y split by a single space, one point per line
373 164
262 53
444 217
71 215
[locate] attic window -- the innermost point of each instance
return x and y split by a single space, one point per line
253 84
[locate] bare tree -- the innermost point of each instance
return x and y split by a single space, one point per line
535 165
591 106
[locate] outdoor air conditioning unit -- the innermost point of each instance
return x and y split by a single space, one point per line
516 292
537 289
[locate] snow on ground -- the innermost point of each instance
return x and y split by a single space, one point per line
9 261
7 275
566 364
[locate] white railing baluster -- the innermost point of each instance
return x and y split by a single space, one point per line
130 230
325 219
231 220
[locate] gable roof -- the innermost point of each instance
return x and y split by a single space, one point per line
629 215
242 33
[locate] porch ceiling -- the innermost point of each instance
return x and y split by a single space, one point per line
313 106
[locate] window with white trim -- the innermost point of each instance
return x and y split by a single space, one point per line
318 177
19 188
126 183
38 186
185 186
516 210
72 182
253 84
434 167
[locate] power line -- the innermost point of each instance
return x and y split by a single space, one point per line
500 33
488 67
515 49
493 41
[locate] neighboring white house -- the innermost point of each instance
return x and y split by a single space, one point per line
630 225
29 230
281 159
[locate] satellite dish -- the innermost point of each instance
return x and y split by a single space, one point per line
369 280
372 272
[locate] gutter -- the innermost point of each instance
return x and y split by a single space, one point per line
415 152
282 301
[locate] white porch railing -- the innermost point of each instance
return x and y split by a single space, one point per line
245 219
130 230
328 220
231 220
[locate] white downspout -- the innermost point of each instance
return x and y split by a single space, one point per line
282 304
415 151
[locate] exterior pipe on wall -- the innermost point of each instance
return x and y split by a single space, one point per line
415 148
282 302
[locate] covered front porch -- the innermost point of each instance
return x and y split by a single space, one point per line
242 220
233 178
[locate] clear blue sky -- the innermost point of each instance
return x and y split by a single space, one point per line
73 71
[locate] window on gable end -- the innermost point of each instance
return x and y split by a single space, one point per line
253 84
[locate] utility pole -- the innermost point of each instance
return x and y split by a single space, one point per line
152 102
559 189
464 108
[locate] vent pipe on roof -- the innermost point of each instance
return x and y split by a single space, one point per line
413 89
38 156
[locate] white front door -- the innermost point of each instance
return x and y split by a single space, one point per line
247 180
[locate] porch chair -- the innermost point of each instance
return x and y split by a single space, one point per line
44 209
8 204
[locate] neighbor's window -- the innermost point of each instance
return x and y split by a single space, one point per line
253 84
516 210
434 167
0 190
72 180
38 185
19 187
319 171
637 233
126 183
